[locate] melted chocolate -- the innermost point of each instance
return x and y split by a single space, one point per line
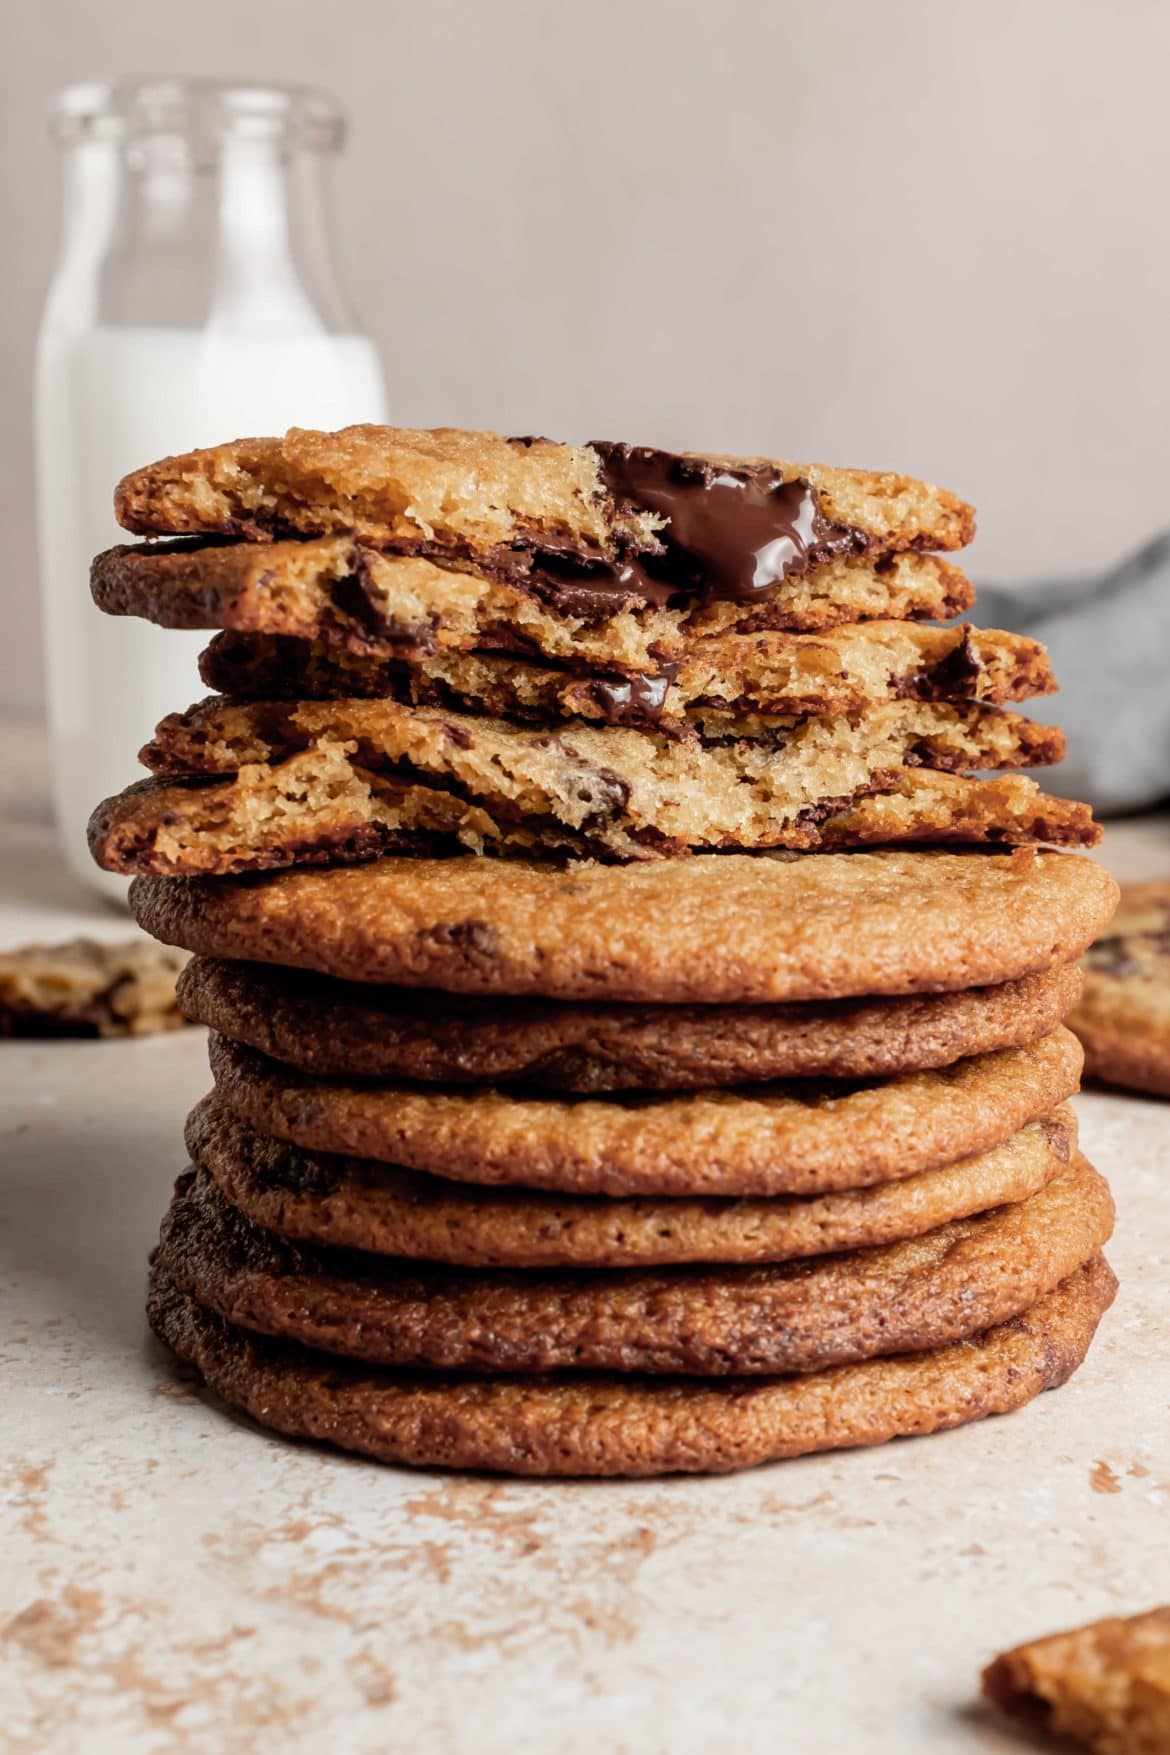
593 590
638 697
732 534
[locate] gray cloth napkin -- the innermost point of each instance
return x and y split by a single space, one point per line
1109 639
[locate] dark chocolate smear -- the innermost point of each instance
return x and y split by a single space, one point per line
732 534
593 591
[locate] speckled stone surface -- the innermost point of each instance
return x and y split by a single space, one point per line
177 1582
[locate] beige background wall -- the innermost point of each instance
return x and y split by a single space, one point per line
928 234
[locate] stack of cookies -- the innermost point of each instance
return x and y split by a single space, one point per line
636 1029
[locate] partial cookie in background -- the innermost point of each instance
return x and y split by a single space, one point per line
761 1319
1123 1019
356 1203
588 1425
1106 1685
86 988
706 930
759 1140
355 1030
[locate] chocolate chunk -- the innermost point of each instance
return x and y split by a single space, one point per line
607 793
592 591
301 1173
624 700
731 534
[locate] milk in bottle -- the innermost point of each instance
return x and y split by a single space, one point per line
196 300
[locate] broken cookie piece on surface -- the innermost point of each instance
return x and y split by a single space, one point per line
1123 1019
85 988
1106 1685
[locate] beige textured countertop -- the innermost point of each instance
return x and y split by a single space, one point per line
175 1580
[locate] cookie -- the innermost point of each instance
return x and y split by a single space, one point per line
759 1140
355 599
738 686
86 988
725 929
350 1030
1106 1685
632 793
799 759
1123 1019
583 1425
930 1291
321 806
356 1203
722 686
634 521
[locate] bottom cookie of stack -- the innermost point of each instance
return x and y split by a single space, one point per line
612 1425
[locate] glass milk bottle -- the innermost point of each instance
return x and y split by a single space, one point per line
196 299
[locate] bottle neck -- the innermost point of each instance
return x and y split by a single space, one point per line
160 232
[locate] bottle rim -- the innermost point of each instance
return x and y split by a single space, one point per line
214 109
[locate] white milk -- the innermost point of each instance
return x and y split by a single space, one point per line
109 401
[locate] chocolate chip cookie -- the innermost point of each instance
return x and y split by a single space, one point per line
929 1291
1106 1685
797 1138
735 685
726 526
88 988
714 929
351 1030
357 1203
1123 1019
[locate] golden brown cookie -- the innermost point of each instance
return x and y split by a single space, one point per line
582 1425
733 685
441 491
477 495
314 809
632 794
87 988
357 1203
353 1030
930 1291
737 686
759 1140
355 599
321 806
715 929
1106 1685
1123 1019
543 771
